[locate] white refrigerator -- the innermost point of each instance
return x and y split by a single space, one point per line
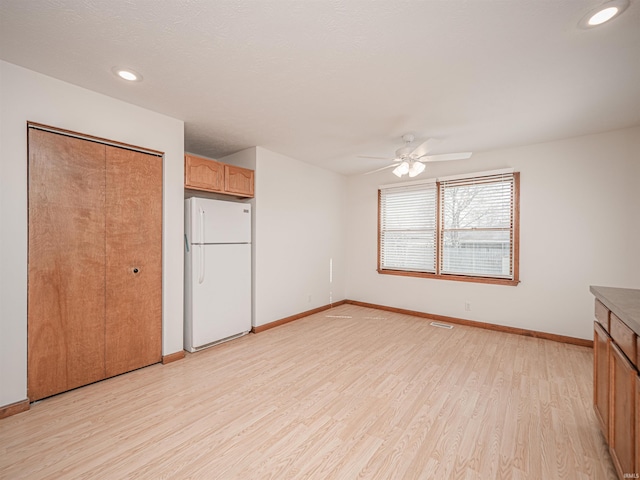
217 271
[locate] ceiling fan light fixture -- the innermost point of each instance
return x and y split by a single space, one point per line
603 13
410 160
401 169
416 169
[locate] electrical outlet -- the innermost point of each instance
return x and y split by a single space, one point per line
467 306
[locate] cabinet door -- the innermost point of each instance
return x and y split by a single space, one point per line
66 271
133 327
203 174
238 181
622 412
601 345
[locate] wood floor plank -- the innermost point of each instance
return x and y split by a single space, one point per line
346 393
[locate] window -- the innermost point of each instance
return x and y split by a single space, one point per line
456 229
408 232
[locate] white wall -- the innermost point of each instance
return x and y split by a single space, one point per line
578 227
29 96
244 158
634 224
299 214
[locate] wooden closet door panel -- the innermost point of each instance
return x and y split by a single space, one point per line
133 241
66 263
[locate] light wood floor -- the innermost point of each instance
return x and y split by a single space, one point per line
344 394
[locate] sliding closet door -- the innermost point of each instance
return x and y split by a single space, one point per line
66 263
134 260
95 261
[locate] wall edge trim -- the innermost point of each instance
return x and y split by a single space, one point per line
14 408
173 357
472 323
282 321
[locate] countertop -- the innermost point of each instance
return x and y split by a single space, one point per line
624 302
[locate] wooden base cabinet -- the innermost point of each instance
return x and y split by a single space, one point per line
95 261
616 381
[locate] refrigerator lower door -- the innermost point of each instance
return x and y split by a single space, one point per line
220 294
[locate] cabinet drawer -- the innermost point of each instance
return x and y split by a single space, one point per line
602 315
624 337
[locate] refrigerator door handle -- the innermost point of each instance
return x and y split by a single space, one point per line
202 226
202 263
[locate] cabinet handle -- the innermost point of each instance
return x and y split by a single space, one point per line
135 270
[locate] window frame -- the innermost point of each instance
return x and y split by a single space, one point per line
439 231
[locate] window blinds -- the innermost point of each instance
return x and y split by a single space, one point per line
477 226
453 227
408 228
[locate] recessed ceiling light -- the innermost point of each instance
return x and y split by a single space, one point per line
603 13
602 16
127 74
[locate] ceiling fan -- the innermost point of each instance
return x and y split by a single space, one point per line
409 160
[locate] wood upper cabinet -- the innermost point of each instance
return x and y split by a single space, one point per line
601 345
238 181
213 176
203 174
622 444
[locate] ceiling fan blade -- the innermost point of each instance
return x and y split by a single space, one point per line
375 158
422 149
380 169
446 156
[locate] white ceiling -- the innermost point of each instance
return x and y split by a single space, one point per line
325 80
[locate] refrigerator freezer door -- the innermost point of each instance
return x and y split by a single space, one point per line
217 221
220 296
